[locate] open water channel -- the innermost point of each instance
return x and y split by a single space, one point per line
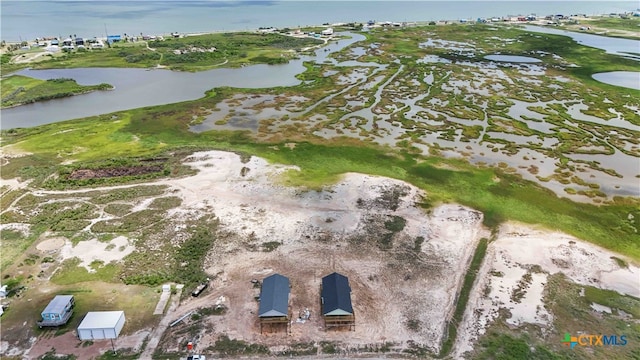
136 88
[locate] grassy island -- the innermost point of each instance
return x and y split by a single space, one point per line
19 90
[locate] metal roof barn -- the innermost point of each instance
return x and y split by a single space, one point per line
274 297
98 325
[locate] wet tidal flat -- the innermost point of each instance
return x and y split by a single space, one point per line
429 91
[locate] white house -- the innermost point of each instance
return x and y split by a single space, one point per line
327 32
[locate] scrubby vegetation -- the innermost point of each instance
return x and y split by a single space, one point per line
188 53
18 90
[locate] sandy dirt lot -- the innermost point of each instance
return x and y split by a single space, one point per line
405 264
322 232
93 250
516 251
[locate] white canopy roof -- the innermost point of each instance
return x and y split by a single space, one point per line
100 320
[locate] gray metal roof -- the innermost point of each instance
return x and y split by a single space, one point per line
336 295
274 296
58 304
100 320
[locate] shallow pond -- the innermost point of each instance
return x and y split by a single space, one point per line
618 46
512 58
628 79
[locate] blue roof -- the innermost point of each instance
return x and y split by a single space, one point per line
274 296
58 304
336 295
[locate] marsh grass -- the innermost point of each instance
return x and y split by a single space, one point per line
498 193
614 300
18 90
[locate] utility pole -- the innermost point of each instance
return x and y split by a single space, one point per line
106 34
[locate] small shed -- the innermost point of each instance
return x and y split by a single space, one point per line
98 325
274 301
336 305
58 312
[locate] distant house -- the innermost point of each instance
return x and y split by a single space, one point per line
55 42
79 42
327 32
58 312
113 38
274 301
335 297
98 325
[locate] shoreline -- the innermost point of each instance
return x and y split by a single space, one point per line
507 19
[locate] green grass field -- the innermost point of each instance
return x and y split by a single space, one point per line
631 23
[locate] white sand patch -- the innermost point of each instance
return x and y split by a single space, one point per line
12 151
253 204
530 309
600 308
20 227
6 349
51 244
94 250
143 205
14 184
582 262
519 247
